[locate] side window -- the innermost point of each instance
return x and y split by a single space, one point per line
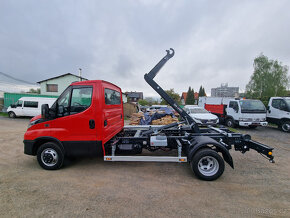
232 103
31 104
276 103
19 103
81 99
112 97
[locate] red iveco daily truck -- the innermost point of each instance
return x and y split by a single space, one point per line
87 119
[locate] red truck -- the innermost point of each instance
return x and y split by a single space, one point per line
87 119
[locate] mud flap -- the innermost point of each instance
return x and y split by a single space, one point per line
202 142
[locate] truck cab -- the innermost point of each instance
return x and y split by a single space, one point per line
278 112
84 117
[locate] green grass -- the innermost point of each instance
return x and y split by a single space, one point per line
3 114
232 129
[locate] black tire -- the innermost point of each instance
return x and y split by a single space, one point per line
253 127
11 114
230 122
285 126
50 156
204 159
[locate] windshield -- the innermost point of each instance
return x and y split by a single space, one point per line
250 106
198 111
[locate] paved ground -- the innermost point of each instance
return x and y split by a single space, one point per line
93 188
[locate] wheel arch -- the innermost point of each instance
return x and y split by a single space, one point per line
41 140
200 142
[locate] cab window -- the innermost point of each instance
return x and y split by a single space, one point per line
81 99
112 97
19 103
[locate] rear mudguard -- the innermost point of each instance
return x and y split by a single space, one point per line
200 142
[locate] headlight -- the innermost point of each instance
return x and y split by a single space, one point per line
32 123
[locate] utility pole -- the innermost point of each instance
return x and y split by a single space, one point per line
80 73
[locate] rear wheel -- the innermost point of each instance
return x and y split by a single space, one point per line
230 123
207 164
11 114
285 126
50 156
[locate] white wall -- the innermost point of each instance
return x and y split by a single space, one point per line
62 82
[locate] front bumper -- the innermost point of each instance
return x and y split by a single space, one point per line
28 147
242 123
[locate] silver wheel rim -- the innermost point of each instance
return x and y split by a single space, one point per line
11 115
208 166
286 127
230 123
49 157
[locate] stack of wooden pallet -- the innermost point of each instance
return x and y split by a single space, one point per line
165 120
135 118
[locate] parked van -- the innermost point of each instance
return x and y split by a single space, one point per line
28 106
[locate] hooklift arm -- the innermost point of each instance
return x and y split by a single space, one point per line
149 79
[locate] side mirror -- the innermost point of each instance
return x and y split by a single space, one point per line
60 110
12 105
268 107
44 111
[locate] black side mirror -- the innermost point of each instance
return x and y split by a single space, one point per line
60 110
44 111
12 105
268 107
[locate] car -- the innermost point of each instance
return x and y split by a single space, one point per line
201 116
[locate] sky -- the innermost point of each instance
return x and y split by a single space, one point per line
119 41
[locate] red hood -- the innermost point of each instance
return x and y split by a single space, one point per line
35 118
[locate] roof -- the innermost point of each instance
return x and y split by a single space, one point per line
184 95
66 74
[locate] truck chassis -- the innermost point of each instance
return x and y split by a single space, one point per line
198 146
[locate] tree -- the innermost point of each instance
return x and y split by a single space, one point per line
201 92
270 78
150 100
37 91
143 102
175 96
190 96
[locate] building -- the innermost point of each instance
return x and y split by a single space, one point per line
56 85
134 96
184 96
225 91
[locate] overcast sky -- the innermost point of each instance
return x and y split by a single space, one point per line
118 41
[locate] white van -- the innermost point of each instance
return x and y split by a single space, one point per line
28 106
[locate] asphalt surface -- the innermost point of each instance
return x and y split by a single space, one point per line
90 187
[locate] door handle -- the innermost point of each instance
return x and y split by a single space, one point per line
92 124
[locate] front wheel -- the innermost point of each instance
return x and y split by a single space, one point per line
50 156
285 127
230 123
207 164
11 114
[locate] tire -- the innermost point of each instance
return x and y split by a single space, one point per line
50 156
285 126
230 122
253 127
207 164
11 114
